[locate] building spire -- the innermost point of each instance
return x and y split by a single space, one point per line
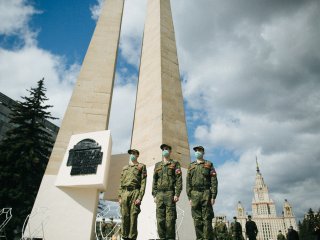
258 170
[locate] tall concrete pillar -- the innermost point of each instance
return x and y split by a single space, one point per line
159 114
88 111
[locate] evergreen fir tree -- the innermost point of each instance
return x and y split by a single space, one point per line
24 155
307 227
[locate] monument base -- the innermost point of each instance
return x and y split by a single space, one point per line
68 202
147 222
68 213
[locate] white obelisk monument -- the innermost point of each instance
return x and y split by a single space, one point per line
70 211
70 200
159 114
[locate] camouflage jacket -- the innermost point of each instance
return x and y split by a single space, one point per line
281 237
220 229
202 176
166 177
135 177
236 229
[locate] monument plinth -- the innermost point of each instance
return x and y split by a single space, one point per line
72 202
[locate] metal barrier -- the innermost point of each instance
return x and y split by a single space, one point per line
180 215
108 229
35 232
8 215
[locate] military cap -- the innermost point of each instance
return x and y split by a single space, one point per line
133 151
234 217
198 148
249 216
165 145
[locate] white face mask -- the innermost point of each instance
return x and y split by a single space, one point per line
198 155
133 157
165 153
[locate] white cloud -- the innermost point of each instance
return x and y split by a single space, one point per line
21 69
132 30
96 9
22 66
121 116
254 71
236 181
251 80
291 176
14 18
15 15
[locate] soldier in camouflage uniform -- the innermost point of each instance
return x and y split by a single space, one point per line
236 230
131 191
166 189
281 236
202 189
221 230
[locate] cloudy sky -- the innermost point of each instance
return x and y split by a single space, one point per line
250 72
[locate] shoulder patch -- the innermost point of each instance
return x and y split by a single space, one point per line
139 167
178 164
178 168
213 172
207 164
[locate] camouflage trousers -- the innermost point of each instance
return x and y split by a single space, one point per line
222 236
202 214
166 215
129 213
237 236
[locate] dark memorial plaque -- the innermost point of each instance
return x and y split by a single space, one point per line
85 157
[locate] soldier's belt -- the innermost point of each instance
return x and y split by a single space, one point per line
200 189
130 188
